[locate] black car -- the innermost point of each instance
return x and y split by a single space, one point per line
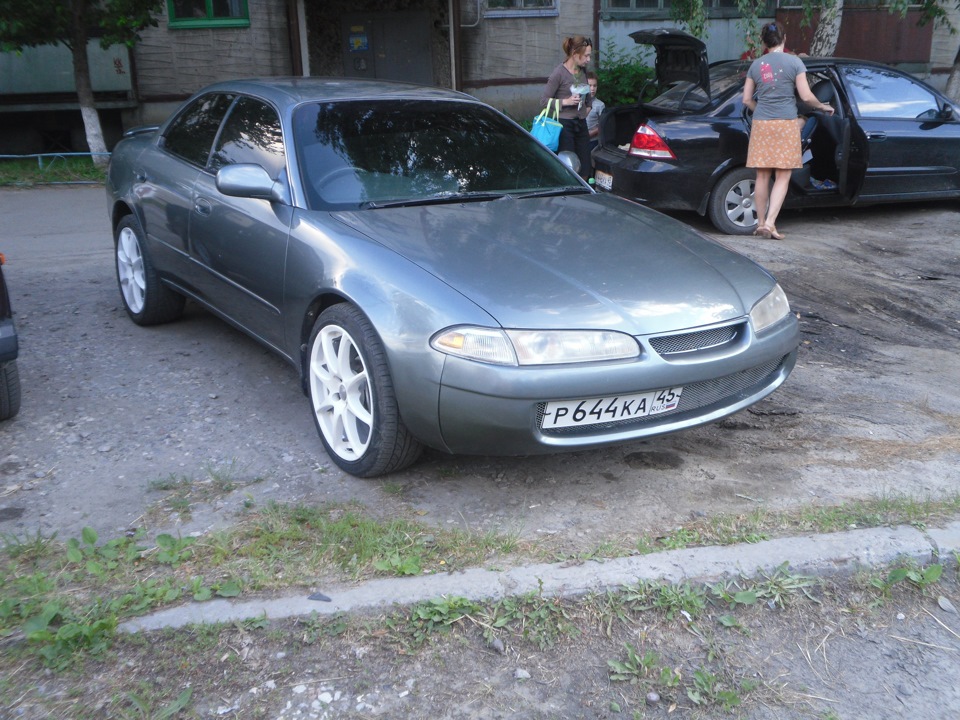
892 138
9 348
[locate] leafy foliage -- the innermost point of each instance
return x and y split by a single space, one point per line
623 76
50 22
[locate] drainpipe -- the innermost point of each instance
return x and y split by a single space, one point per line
456 67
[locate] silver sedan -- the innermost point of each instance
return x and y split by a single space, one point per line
436 276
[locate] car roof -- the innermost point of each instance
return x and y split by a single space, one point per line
296 90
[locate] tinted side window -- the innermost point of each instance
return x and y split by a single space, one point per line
191 135
251 134
883 94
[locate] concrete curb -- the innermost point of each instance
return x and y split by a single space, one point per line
811 555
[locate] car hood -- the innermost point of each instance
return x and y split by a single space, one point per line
680 56
582 261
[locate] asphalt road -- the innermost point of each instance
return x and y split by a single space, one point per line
113 413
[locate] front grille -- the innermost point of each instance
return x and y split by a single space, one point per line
694 397
699 340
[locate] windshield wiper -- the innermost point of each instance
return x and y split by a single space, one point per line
568 190
435 199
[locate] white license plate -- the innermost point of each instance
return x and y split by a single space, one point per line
579 413
604 180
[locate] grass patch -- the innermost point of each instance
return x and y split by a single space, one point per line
27 172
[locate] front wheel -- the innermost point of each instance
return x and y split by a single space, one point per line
732 208
354 404
147 300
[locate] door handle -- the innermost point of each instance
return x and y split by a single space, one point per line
878 136
203 207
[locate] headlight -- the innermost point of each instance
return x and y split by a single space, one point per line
535 347
770 309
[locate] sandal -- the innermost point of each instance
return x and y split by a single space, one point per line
774 234
761 231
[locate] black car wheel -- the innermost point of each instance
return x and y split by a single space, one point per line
732 209
9 390
147 300
354 404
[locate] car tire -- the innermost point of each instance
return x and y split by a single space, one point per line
351 391
9 390
732 209
147 300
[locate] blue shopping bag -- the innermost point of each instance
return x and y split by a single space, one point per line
547 127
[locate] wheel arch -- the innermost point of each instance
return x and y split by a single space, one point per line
120 210
313 311
718 172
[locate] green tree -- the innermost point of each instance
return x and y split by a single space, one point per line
72 23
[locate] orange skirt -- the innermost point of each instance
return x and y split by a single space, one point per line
774 144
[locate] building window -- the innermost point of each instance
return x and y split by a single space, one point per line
208 13
660 9
526 8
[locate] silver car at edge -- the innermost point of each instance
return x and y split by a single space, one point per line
436 276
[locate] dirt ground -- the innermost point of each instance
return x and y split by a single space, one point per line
111 412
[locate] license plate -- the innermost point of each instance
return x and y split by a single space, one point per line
603 180
580 413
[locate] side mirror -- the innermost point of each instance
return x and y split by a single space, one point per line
570 159
249 181
946 113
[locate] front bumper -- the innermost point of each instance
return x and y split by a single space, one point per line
487 409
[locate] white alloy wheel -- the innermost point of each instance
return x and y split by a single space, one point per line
130 270
354 404
341 392
147 300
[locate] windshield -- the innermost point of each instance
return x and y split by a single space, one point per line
370 154
684 96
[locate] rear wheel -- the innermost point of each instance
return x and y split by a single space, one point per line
354 404
732 209
147 300
9 390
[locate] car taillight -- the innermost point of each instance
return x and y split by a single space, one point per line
647 143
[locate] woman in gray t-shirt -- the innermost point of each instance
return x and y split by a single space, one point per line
776 78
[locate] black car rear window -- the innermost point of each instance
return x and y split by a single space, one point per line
686 97
353 153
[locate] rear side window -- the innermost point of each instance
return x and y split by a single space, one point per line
251 134
879 93
191 134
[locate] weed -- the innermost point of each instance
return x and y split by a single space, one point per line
912 573
437 615
635 667
777 587
98 561
731 595
141 707
30 549
319 627
391 487
173 551
680 538
681 599
708 689
535 618
397 564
